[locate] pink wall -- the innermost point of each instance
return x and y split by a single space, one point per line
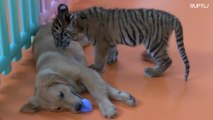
48 9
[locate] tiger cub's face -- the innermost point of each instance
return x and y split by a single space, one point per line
64 27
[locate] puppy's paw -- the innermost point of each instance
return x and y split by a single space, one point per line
127 99
131 101
108 110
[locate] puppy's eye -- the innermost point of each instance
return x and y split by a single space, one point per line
61 94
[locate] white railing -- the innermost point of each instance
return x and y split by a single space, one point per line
19 21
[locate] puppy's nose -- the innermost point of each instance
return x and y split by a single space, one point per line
78 107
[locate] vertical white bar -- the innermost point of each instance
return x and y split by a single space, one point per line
14 29
5 65
34 15
24 16
14 24
4 36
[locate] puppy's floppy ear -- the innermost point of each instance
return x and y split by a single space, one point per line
30 107
52 78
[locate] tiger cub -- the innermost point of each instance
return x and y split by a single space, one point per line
107 27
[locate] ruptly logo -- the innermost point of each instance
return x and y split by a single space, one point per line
199 5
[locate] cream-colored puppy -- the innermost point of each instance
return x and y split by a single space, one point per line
63 75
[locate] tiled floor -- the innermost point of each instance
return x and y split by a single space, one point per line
163 98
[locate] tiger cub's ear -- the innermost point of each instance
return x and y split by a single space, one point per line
63 13
62 8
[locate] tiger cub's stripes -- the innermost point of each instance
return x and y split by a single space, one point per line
108 27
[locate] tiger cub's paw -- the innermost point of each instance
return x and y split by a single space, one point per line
112 58
97 69
152 72
146 57
112 55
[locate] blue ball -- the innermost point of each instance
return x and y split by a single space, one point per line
86 105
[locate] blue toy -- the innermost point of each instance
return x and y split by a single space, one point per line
86 105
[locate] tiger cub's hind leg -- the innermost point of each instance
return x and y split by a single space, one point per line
162 60
147 57
112 54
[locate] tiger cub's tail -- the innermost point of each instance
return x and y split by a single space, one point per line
179 39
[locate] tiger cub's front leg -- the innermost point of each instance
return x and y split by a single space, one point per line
101 51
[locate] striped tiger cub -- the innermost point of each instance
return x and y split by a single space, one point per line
107 27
